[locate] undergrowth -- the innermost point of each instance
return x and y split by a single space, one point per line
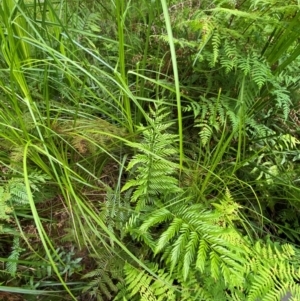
149 150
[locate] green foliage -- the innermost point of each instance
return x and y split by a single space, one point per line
152 166
69 265
5 208
88 88
196 243
14 194
13 258
142 286
107 277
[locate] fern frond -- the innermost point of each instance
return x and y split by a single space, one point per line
245 64
179 246
216 42
234 120
282 97
107 277
172 230
190 253
193 106
141 284
17 191
260 71
214 265
152 166
13 258
229 61
157 217
202 255
205 133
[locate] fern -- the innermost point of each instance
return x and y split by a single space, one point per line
185 236
152 167
229 60
205 133
18 192
271 271
12 194
216 42
194 242
260 71
13 258
107 277
142 286
245 64
257 130
282 97
211 115
200 248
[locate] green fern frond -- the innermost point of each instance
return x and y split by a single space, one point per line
210 117
107 277
245 64
193 291
12 194
229 61
114 211
207 27
205 132
202 254
190 253
234 120
156 218
260 71
216 42
18 192
193 237
270 267
208 243
202 287
257 130
179 247
140 285
282 97
152 166
193 106
214 265
13 258
172 231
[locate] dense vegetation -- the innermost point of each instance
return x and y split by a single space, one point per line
149 150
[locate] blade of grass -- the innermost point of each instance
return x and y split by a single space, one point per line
176 79
42 233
